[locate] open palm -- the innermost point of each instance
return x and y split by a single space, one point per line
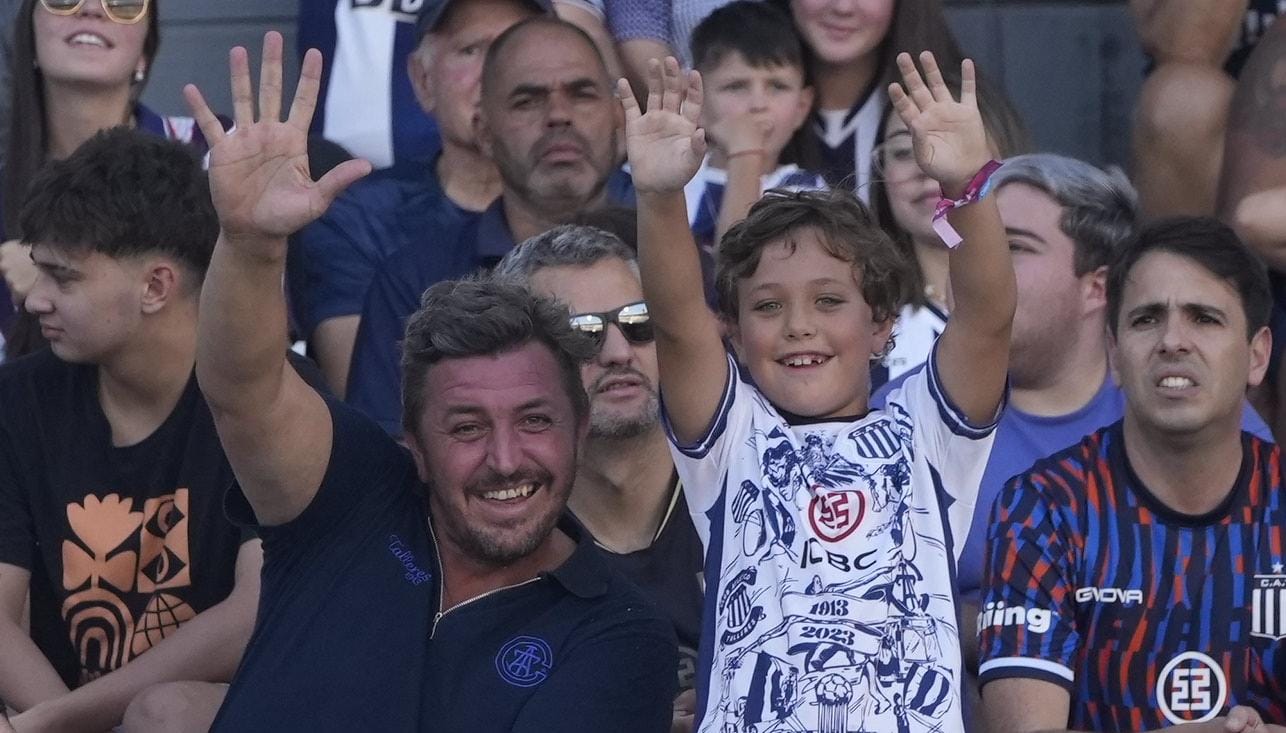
665 145
948 137
259 177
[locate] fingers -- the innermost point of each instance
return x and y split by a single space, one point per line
913 83
933 78
243 108
968 83
902 104
341 177
628 102
1242 719
270 78
205 119
305 102
672 85
695 98
654 83
699 143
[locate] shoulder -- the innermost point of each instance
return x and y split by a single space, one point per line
41 371
1069 478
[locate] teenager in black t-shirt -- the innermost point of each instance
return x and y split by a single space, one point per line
435 590
111 474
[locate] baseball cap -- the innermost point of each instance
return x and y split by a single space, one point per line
435 10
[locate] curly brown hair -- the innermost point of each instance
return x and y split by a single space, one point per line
846 230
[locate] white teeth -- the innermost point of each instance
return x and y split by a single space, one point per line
518 492
89 39
1176 382
803 360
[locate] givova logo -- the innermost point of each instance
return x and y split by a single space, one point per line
1037 620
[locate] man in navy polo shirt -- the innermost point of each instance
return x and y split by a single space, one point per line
333 259
549 120
440 588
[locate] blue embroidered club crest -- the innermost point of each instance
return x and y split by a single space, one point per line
524 661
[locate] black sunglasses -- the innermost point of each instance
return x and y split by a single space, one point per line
632 319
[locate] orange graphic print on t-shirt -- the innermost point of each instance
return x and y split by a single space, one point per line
118 565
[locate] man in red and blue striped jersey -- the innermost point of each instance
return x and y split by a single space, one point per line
1135 580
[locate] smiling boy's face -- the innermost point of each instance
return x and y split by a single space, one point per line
805 331
771 99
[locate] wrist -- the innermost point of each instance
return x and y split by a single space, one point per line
956 188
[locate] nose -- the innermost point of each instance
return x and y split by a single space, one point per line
799 323
559 111
38 300
758 98
1174 336
504 453
616 349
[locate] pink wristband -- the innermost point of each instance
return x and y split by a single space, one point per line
978 187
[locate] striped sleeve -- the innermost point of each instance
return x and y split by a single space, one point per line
1027 622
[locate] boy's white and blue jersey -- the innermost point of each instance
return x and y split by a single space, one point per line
367 104
830 562
704 193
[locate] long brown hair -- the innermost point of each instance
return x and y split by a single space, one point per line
27 135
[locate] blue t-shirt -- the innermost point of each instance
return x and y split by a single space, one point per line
454 250
333 260
349 634
1021 440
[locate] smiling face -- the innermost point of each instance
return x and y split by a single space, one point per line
805 331
447 67
621 379
843 31
773 97
89 304
549 120
1180 352
87 47
498 451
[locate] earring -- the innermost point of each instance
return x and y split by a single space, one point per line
138 76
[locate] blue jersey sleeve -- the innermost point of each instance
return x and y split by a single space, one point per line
1027 623
374 378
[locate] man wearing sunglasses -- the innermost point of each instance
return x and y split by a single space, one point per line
627 493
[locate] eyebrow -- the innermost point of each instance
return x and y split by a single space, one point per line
54 268
544 89
818 282
1019 232
1192 309
534 403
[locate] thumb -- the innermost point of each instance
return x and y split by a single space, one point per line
341 177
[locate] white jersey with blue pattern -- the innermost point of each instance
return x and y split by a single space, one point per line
830 562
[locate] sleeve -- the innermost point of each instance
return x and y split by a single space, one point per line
364 463
1027 622
701 465
629 20
374 379
1252 423
327 274
955 449
620 680
17 525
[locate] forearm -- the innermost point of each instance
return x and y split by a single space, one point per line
204 649
743 189
241 334
26 677
670 265
982 273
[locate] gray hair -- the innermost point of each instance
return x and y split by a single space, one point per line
1100 207
478 317
569 245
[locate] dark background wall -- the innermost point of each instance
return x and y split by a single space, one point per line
1073 68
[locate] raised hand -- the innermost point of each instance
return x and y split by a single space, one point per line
949 139
259 178
665 145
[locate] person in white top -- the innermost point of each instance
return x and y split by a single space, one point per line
829 529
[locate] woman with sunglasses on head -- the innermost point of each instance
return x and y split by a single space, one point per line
79 66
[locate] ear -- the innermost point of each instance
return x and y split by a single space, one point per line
162 284
482 133
1110 339
804 107
417 68
1094 291
1261 348
880 333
